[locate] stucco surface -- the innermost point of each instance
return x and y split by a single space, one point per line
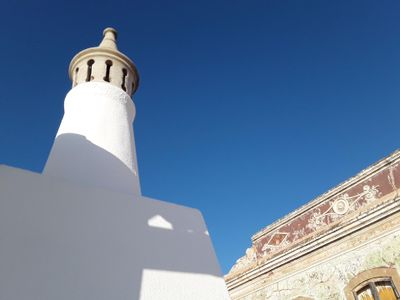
316 250
62 241
95 142
325 276
368 188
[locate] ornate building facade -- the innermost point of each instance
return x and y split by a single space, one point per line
344 244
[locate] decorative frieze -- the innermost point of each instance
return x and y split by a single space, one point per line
326 272
352 197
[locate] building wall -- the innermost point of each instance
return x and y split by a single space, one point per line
60 240
325 273
330 246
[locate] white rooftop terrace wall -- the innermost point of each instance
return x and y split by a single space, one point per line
63 241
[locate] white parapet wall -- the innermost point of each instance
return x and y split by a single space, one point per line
63 241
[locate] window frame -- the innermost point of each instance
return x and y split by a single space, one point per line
369 277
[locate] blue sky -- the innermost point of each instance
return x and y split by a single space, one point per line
246 109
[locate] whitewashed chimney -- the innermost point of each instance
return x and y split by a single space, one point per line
95 143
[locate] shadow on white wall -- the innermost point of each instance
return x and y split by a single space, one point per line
61 240
76 159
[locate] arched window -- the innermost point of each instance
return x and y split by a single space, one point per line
124 73
108 67
374 284
89 76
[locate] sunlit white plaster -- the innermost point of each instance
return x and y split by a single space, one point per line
180 285
159 222
95 142
61 240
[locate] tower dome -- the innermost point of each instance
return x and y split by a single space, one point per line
105 64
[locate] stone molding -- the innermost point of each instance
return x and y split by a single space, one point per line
364 174
371 187
351 244
349 226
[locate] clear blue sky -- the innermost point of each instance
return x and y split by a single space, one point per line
246 109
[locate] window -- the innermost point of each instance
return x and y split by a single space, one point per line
381 289
89 76
124 73
374 284
108 67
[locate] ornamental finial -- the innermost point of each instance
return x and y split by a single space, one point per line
109 38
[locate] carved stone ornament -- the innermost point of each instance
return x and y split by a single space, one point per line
245 261
341 206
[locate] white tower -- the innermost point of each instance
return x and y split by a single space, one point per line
95 142
82 230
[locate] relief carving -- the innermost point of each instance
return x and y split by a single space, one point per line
245 261
342 205
323 215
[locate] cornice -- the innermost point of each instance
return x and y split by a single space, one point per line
369 215
364 174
